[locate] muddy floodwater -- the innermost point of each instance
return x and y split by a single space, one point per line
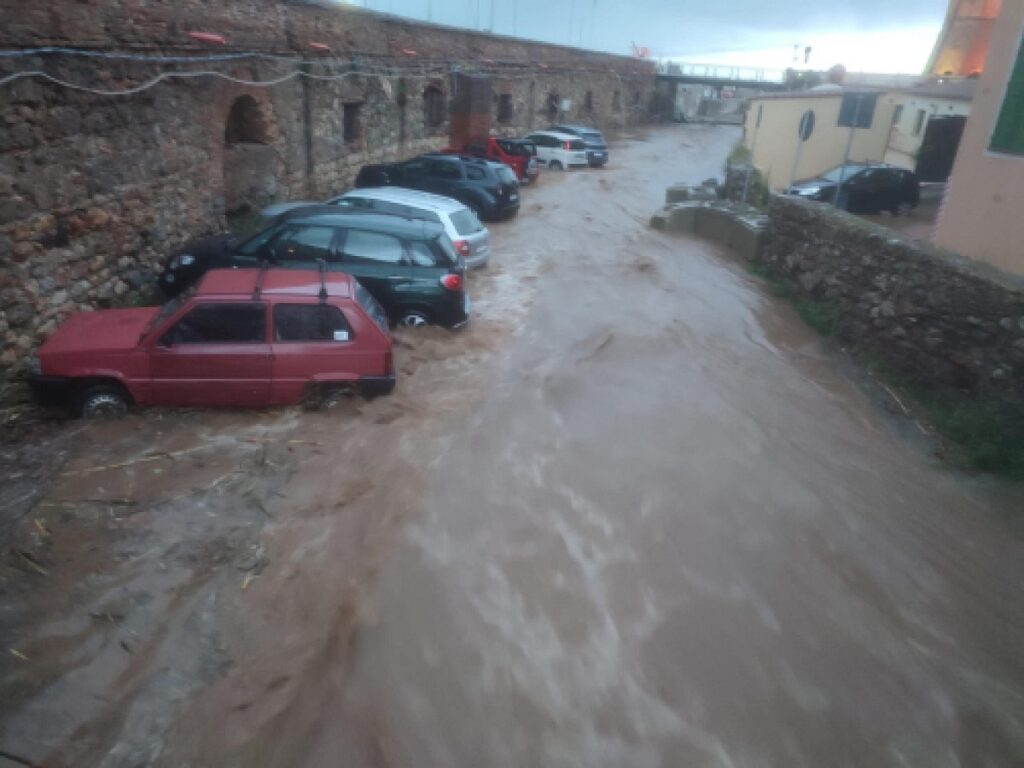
635 515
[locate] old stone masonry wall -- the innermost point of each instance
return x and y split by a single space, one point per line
97 186
941 322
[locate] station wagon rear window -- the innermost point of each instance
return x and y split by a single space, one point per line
506 175
466 222
372 307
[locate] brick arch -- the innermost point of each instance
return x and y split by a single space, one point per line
250 160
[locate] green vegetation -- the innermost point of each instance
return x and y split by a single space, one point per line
146 297
738 154
989 432
823 316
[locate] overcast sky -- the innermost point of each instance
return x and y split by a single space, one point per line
864 35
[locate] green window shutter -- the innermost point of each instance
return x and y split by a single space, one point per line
1008 135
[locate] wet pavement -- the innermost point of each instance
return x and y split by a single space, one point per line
634 515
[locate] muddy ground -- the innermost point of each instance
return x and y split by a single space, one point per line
634 515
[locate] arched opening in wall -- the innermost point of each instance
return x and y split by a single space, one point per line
635 99
588 102
616 101
433 107
250 162
551 106
505 108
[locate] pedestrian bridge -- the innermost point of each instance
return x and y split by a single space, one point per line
761 78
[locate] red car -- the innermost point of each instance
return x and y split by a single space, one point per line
518 154
247 338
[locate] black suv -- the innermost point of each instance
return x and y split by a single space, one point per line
489 188
597 147
409 266
865 188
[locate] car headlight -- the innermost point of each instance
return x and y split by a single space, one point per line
808 191
182 260
35 365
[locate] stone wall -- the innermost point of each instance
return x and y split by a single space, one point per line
95 190
940 321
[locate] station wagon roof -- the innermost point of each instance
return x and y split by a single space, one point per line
333 216
275 282
413 197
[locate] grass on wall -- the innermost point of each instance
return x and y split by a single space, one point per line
988 431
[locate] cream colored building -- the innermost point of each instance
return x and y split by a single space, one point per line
947 102
771 132
983 214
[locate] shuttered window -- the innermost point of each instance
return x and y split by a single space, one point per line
1008 135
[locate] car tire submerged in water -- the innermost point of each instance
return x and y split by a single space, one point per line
103 401
555 165
412 318
903 209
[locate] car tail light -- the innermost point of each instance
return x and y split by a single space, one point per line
462 246
567 145
452 282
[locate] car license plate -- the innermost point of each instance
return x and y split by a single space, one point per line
513 196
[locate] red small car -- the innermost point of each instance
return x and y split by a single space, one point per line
518 154
247 338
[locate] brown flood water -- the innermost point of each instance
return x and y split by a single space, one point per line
634 515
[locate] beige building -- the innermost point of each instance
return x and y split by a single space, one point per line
929 116
983 214
771 132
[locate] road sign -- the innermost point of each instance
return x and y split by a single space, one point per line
807 125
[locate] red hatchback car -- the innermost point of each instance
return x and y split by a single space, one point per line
247 338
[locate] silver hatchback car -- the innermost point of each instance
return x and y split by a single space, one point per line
469 236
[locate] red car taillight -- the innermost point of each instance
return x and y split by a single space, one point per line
567 145
462 246
452 282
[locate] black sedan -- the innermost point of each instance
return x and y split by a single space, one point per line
489 188
865 188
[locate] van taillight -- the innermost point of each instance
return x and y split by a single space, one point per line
567 145
452 282
462 246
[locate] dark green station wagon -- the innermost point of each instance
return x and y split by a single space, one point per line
408 265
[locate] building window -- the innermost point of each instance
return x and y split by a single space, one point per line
1008 135
551 108
504 107
919 122
588 101
353 127
433 106
616 101
897 115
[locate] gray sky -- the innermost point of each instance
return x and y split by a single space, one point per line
865 35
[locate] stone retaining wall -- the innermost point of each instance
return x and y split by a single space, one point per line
96 190
940 321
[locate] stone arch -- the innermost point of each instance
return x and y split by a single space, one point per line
245 123
251 163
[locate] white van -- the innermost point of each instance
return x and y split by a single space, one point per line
559 150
